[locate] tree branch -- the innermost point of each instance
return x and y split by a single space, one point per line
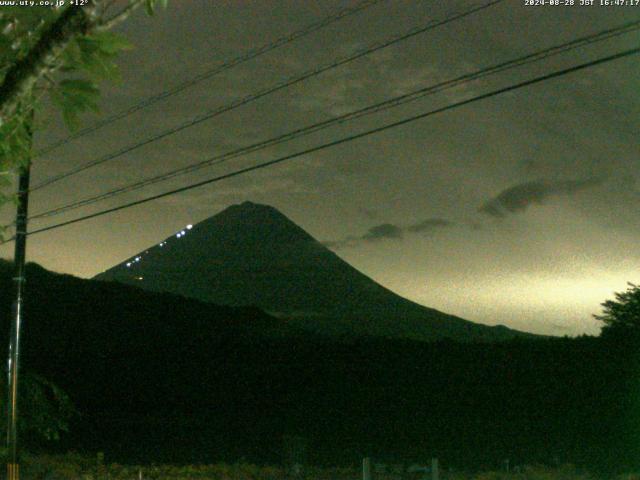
121 16
22 75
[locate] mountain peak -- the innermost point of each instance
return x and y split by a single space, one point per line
250 207
252 254
254 224
246 212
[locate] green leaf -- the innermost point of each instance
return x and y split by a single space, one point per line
71 57
95 54
15 145
151 5
75 96
111 43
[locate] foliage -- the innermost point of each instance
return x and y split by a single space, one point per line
152 5
86 60
74 466
45 410
622 315
58 467
533 472
222 389
69 72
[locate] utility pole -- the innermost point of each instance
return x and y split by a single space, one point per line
13 470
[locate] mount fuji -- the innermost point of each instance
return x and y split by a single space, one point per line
251 254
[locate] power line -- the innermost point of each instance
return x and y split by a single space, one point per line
267 91
371 109
557 73
250 55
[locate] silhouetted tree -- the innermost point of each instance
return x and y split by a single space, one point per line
45 409
622 315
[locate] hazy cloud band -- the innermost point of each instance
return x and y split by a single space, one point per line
520 197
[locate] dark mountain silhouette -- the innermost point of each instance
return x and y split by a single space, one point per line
158 377
252 254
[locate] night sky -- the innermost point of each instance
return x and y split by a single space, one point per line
523 209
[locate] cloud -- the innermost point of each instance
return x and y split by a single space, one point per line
381 232
520 197
343 91
389 231
428 225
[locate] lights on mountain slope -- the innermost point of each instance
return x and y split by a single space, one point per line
135 260
180 234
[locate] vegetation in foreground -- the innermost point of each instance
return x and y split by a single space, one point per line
226 390
73 466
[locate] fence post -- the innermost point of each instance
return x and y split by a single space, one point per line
435 474
101 469
366 468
